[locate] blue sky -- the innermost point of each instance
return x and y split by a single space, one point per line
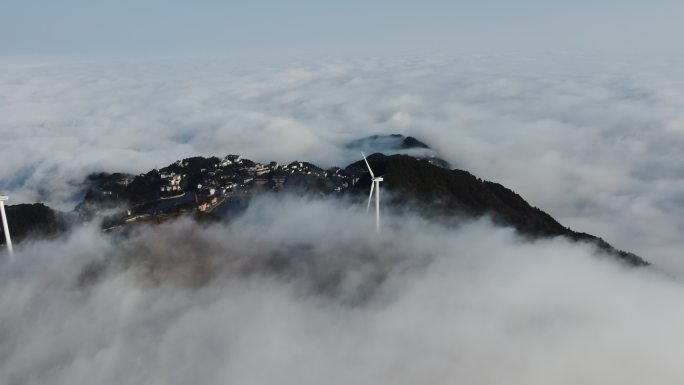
78 26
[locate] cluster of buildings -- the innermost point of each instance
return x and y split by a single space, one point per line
204 183
235 175
171 182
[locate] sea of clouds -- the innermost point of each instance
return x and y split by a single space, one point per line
301 290
594 142
281 295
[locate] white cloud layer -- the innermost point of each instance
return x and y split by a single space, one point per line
595 142
422 303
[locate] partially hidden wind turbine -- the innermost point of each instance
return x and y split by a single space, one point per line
8 240
375 182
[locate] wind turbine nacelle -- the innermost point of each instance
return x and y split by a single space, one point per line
378 179
3 197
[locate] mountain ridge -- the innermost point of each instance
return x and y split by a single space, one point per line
200 185
456 192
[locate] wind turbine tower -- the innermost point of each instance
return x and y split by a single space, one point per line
5 227
375 185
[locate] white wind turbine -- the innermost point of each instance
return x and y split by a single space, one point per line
8 240
375 182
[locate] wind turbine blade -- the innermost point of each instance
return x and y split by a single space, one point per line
370 197
5 227
368 165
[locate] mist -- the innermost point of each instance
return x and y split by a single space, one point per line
576 107
421 302
593 140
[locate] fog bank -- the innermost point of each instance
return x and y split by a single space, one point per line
421 303
594 141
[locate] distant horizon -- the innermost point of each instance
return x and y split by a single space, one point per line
302 26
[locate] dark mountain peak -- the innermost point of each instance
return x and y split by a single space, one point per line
411 142
397 143
392 142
